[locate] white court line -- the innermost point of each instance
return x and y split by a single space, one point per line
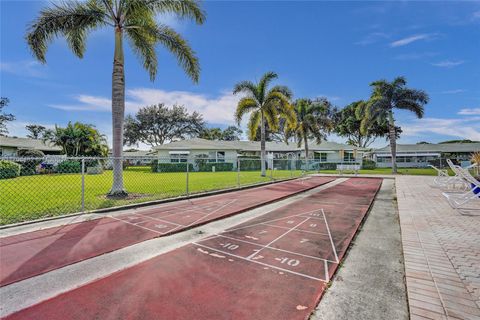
292 216
273 248
206 215
182 210
330 236
159 232
277 238
261 263
214 211
327 276
313 232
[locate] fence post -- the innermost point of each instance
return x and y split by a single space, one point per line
83 184
187 179
238 173
271 170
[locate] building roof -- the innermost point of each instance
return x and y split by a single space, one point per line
137 153
433 147
203 144
27 143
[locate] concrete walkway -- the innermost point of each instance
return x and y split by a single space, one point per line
442 253
370 284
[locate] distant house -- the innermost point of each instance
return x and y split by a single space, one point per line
10 145
421 155
230 151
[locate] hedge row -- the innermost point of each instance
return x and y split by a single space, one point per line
219 166
9 169
171 167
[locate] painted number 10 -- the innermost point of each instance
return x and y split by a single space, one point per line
290 262
230 246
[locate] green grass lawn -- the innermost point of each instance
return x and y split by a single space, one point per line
33 197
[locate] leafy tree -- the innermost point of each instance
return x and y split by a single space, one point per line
313 122
78 139
4 117
36 131
266 106
459 141
211 134
348 125
154 125
385 98
134 20
231 133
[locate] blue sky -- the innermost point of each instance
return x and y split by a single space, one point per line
332 49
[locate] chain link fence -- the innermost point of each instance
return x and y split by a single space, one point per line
33 188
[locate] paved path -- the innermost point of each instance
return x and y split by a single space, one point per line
275 266
30 254
442 253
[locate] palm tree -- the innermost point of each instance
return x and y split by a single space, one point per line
313 121
130 19
267 106
387 96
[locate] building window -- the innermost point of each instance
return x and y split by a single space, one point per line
177 158
216 156
220 156
1 152
322 156
348 157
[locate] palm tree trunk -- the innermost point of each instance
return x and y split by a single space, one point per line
305 141
392 135
262 145
118 114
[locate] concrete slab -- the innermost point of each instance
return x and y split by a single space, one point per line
370 284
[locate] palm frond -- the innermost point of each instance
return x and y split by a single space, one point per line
178 46
264 82
245 105
247 87
284 90
183 8
72 19
253 124
270 113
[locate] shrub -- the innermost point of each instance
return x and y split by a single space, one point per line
327 166
9 169
250 164
171 167
29 166
369 164
69 166
219 166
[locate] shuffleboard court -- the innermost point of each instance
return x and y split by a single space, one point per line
276 266
33 253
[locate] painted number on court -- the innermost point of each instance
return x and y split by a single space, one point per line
230 246
290 262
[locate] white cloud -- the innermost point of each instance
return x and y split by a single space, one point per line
454 91
218 109
465 128
17 128
411 39
470 112
448 63
328 97
372 38
25 68
415 55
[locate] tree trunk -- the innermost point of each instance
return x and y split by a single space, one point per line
393 142
305 141
118 114
262 145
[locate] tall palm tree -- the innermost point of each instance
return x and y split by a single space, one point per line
387 96
267 106
313 122
130 19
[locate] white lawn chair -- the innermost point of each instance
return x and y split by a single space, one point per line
460 200
442 179
449 183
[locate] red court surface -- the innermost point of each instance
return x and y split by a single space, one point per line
276 266
29 254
